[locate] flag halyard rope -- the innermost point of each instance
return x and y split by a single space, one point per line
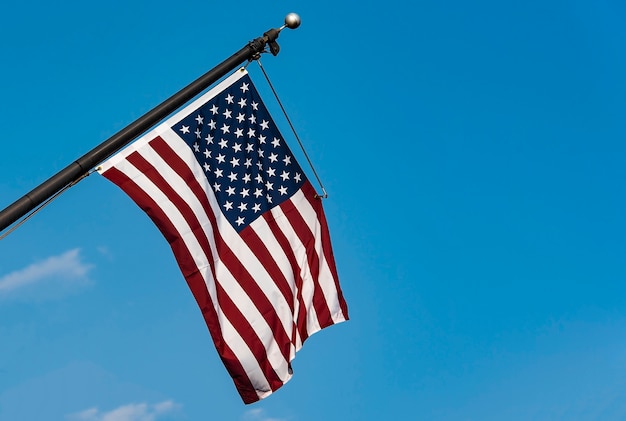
306 155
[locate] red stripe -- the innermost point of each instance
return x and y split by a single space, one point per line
230 310
194 280
238 373
316 204
256 245
245 329
190 271
148 170
287 248
308 240
155 213
228 256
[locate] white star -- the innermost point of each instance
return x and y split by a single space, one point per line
271 172
251 133
228 114
244 87
242 102
261 139
207 167
259 178
265 124
243 207
260 165
225 129
234 162
228 205
285 176
237 147
230 190
184 129
230 98
200 119
282 190
239 220
246 178
252 119
258 193
248 162
221 158
269 186
256 208
273 157
239 132
249 147
287 160
209 139
198 133
218 173
297 177
217 187
223 143
241 117
196 147
269 198
212 125
255 106
245 192
232 176
276 142
214 109
260 151
207 153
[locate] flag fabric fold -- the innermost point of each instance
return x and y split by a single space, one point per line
245 226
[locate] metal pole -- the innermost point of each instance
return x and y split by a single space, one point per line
79 168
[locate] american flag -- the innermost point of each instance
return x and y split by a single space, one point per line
245 225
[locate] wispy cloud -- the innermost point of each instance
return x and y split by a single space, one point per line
130 412
65 269
258 414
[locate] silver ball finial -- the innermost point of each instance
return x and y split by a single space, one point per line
292 20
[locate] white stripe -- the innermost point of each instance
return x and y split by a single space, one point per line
173 214
326 279
259 272
299 250
263 230
225 278
229 333
178 184
297 341
247 359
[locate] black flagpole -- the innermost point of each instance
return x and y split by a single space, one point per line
81 167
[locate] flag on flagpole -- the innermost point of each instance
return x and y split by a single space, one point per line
246 228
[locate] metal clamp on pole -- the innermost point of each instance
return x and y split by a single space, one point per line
75 171
292 21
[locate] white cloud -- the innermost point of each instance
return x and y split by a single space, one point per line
130 412
258 414
65 269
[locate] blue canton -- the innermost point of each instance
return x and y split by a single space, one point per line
245 158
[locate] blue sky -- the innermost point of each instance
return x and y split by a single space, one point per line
474 157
